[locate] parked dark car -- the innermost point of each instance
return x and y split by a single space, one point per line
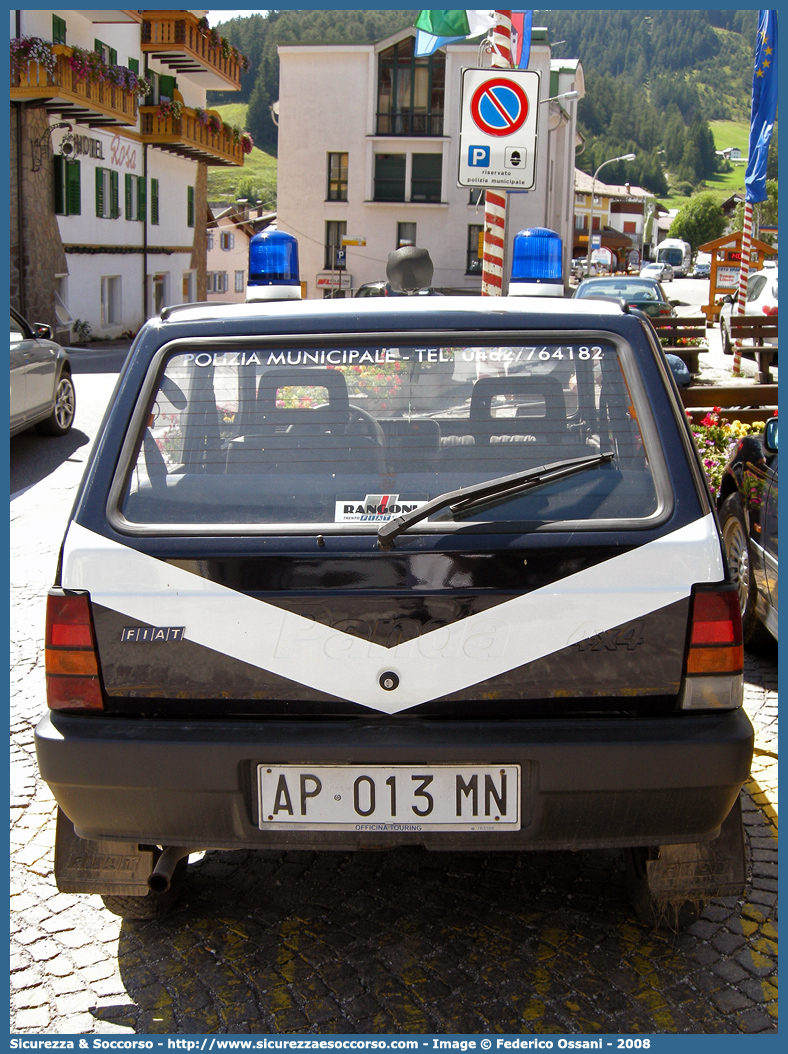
384 289
42 391
701 269
748 516
429 571
643 293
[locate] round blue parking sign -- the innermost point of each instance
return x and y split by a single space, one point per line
499 107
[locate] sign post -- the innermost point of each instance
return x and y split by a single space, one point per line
494 202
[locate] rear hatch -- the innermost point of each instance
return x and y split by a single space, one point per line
240 570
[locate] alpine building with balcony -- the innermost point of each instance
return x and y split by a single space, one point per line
111 140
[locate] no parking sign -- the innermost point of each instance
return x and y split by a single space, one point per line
498 128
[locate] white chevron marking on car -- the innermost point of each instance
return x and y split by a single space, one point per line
445 660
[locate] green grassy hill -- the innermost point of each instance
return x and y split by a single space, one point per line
256 179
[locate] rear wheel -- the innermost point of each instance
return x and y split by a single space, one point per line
726 338
670 885
737 549
62 416
149 905
652 910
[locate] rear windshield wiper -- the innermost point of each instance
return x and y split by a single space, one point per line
460 501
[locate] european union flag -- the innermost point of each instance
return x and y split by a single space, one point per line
764 105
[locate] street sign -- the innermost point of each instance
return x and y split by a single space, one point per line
499 112
334 280
353 239
340 257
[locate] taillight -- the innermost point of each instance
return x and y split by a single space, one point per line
71 659
715 652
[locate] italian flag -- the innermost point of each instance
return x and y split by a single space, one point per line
436 28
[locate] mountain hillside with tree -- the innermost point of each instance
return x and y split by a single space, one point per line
654 80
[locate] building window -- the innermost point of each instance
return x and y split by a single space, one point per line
154 201
406 234
335 231
187 287
630 227
581 222
473 258
110 301
107 53
389 177
425 181
209 241
217 282
597 223
190 206
135 197
107 200
58 30
227 240
476 196
68 195
337 177
239 281
410 91
159 290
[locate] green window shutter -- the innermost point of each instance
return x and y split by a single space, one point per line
58 30
114 194
129 190
154 201
73 189
113 57
59 173
99 191
134 66
141 198
98 46
190 206
167 85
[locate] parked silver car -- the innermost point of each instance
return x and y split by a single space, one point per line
660 272
42 391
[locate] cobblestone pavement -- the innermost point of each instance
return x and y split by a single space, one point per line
403 941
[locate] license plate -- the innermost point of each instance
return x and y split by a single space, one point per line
395 798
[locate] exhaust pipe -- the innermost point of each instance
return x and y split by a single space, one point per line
160 878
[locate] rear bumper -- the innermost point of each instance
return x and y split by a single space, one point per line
586 783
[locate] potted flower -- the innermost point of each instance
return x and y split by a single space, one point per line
246 143
169 108
714 439
25 50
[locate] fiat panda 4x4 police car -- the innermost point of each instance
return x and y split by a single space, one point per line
433 571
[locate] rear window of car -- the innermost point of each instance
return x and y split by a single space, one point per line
340 438
635 290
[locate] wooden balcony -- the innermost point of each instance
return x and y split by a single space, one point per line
189 137
81 101
175 39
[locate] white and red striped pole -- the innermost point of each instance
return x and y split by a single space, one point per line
495 200
744 271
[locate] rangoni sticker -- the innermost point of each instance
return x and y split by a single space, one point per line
375 508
